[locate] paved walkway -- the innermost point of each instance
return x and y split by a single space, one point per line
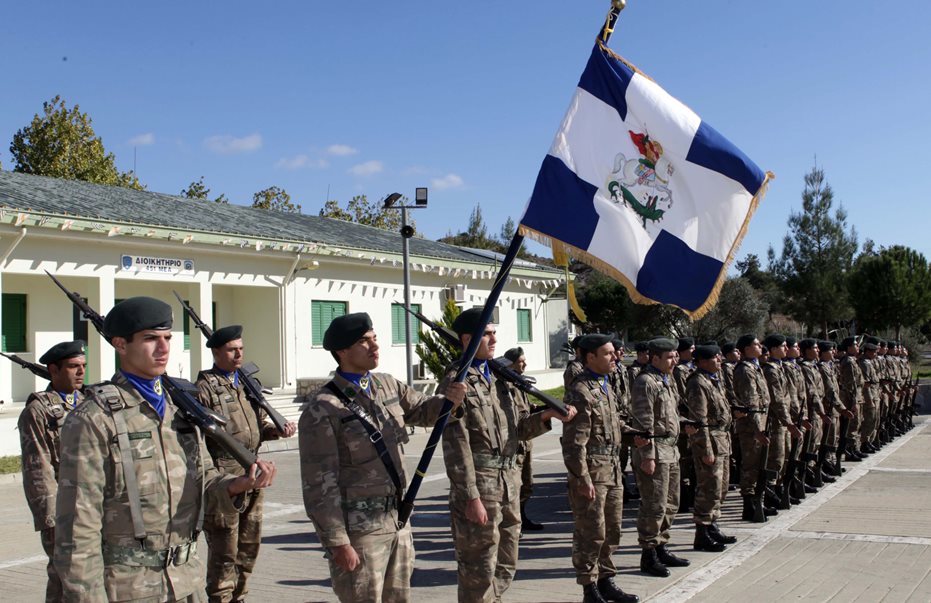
865 538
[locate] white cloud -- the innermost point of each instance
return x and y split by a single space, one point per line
302 161
142 140
414 170
341 150
367 169
446 182
229 145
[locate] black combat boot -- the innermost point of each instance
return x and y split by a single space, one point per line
759 511
704 542
527 524
772 499
747 514
650 564
715 532
796 489
591 594
667 558
610 592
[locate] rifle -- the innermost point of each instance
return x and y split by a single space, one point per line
842 443
36 369
747 410
499 368
181 392
250 385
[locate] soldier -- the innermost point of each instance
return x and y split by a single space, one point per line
871 395
233 538
575 366
479 450
654 409
731 358
753 403
591 445
136 477
779 416
794 481
524 447
39 425
681 372
832 408
814 401
850 379
642 349
710 443
352 435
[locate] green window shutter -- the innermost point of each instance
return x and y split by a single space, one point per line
322 314
186 322
524 330
397 324
14 322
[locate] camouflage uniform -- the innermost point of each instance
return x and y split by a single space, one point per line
479 450
633 369
524 458
814 401
621 381
96 552
709 407
751 391
573 370
727 379
349 494
871 397
851 394
798 408
681 373
233 538
39 426
831 403
654 409
779 410
591 445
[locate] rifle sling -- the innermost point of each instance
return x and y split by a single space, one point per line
116 405
375 438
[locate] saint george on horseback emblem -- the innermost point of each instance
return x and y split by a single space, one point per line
642 184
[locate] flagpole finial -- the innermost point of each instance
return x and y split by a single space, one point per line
616 7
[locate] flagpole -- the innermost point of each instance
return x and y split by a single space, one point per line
407 505
608 28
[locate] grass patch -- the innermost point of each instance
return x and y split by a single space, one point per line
922 374
10 464
556 392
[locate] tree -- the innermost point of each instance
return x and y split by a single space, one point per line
433 350
817 255
891 289
198 190
606 304
275 198
61 143
362 211
740 309
508 229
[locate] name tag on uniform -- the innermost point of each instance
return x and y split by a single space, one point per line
140 435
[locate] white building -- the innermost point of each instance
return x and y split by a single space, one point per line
283 276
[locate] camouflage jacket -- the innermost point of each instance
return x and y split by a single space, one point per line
708 406
620 382
347 489
778 391
96 553
480 448
573 370
727 377
39 428
523 406
750 390
633 369
219 393
871 389
591 441
814 387
832 403
795 384
680 374
654 408
851 382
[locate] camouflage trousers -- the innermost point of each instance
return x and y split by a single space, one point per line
870 423
814 442
53 587
233 546
486 555
384 572
525 462
659 502
853 425
597 530
777 449
711 487
832 432
751 452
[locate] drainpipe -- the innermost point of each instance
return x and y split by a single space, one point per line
13 246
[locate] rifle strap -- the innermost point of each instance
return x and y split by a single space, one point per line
375 438
116 405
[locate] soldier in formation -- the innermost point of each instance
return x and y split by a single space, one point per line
752 395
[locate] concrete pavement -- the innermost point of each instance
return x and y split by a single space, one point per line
865 538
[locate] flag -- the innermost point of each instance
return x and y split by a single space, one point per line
638 186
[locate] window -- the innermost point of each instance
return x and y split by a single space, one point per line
322 314
397 324
524 326
14 322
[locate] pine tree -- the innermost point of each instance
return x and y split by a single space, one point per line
433 350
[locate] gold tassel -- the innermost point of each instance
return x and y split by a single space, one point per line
574 304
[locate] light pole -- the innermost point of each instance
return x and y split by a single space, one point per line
407 231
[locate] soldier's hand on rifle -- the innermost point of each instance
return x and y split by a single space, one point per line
708 460
806 424
345 557
249 482
455 393
847 413
640 442
549 413
586 491
762 438
691 430
648 466
795 431
290 428
475 512
739 414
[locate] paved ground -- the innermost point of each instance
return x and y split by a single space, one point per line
865 538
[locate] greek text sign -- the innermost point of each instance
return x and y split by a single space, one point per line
148 263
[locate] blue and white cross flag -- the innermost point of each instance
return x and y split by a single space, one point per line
639 187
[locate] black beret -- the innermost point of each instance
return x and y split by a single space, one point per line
745 340
685 343
791 341
65 349
663 344
883 343
466 322
590 343
345 330
707 352
137 314
728 347
575 341
618 343
807 344
225 335
826 344
514 353
872 339
642 346
847 342
774 340
870 346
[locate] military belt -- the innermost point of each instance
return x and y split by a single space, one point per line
603 449
668 440
371 503
492 461
137 556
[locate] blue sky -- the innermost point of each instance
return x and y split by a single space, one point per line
465 97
